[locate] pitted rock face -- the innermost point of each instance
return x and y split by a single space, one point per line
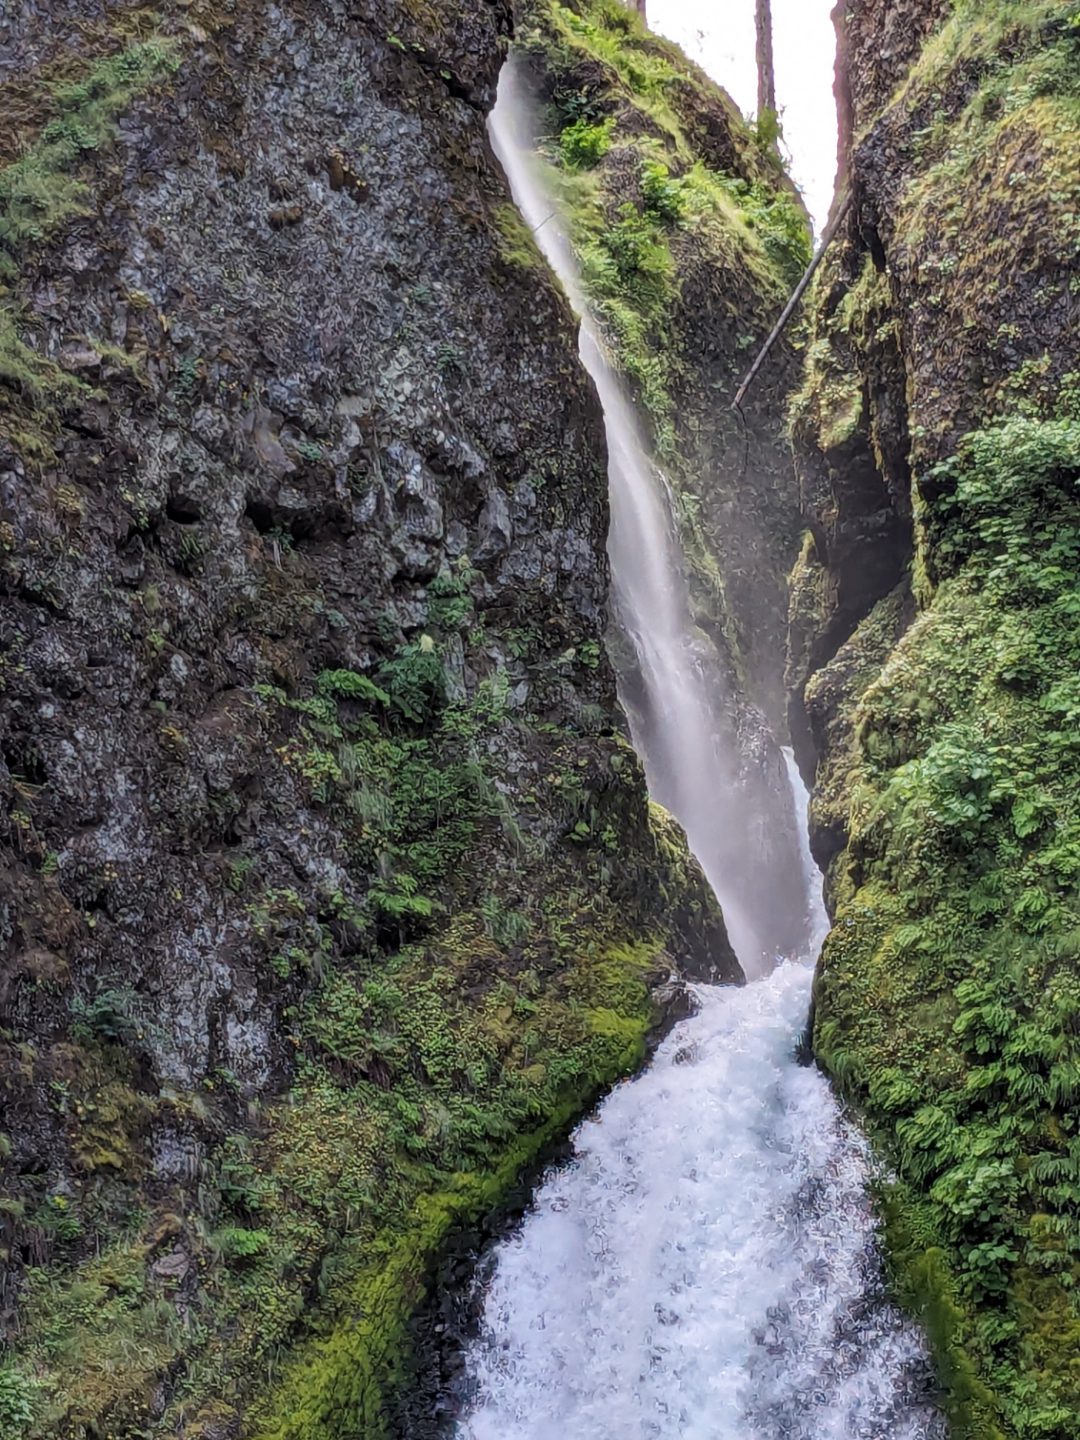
879 41
308 406
327 423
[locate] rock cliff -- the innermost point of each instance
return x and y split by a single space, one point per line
688 235
934 662
329 888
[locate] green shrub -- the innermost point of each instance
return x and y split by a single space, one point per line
18 1394
415 681
663 195
582 144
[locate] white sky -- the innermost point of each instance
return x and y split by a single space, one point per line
719 35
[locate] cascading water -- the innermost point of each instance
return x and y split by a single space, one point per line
705 1266
671 679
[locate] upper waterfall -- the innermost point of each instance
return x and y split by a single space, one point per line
671 682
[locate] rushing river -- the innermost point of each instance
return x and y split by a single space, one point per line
705 1266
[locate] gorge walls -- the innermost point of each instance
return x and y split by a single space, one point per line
934 662
329 886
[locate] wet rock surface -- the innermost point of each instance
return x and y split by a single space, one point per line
323 427
940 390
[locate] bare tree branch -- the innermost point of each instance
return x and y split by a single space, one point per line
789 309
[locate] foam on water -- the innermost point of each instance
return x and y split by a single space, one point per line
705 1266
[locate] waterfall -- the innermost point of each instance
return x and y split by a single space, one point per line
730 796
705 1266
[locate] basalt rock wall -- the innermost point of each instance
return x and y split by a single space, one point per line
329 887
932 656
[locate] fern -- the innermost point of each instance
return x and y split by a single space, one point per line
349 685
234 1242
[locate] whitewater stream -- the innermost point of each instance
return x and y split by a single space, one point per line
705 1265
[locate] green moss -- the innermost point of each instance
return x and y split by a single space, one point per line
344 1384
835 692
98 1341
31 374
608 32
830 407
432 1059
988 213
517 244
949 1003
924 1281
632 105
39 193
979 30
41 190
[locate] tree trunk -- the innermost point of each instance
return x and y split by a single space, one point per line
639 6
765 67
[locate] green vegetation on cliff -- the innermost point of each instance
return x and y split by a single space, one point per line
626 111
950 998
689 237
441 1039
946 354
39 192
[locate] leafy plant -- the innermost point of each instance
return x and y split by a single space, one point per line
236 1243
583 144
414 680
398 899
111 1014
663 195
59 1218
18 1394
348 685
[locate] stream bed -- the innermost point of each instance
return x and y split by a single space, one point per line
705 1266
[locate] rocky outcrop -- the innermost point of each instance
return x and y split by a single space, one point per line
329 886
688 235
938 441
